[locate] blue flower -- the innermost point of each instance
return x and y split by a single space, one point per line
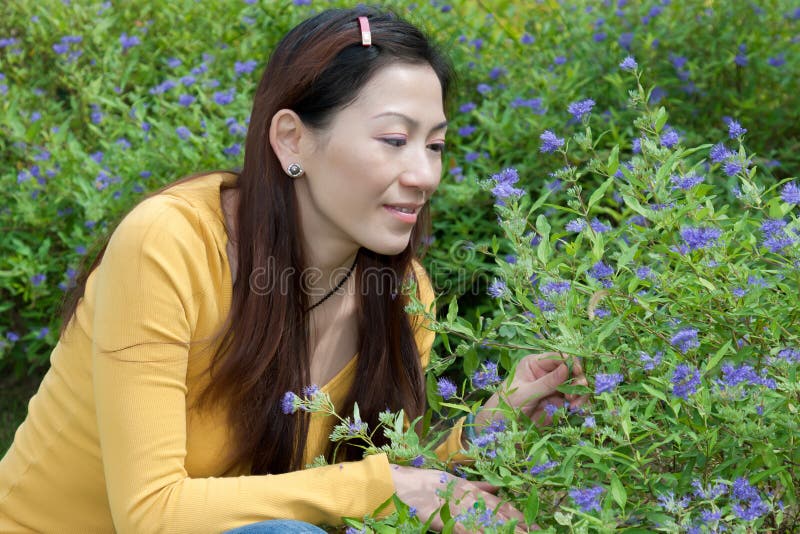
581 108
589 422
37 279
163 87
576 225
550 143
696 238
446 388
289 402
185 100
644 272
600 270
685 381
735 129
685 340
790 193
606 382
418 461
541 468
497 288
629 64
465 131
466 108
486 377
587 499
669 138
777 61
174 63
599 227
719 153
128 42
245 67
484 88
650 362
558 287
526 39
224 98
625 40
234 150
183 132
686 182
12 336
504 181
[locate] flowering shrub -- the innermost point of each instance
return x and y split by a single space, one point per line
682 309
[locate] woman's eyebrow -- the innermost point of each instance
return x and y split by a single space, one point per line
412 123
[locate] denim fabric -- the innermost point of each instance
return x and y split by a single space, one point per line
278 526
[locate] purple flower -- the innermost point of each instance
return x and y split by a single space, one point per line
628 64
163 87
183 132
466 108
465 131
245 67
550 143
504 181
223 98
558 287
484 88
576 225
719 153
735 129
289 403
589 422
128 42
446 388
174 63
419 461
185 100
526 39
600 270
686 182
650 362
599 227
685 340
606 382
541 468
37 279
581 108
696 238
625 40
550 409
776 243
43 332
12 336
497 288
685 381
233 150
790 193
669 138
587 499
777 61
486 376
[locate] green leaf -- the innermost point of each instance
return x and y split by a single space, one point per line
705 283
618 491
714 360
613 161
599 192
661 119
455 406
531 506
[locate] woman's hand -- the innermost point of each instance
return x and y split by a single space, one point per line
421 488
533 387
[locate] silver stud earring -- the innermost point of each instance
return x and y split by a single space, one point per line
294 170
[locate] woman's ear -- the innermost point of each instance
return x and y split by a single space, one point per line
285 134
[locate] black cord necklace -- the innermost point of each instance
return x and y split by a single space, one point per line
340 284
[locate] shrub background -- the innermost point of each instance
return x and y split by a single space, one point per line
102 103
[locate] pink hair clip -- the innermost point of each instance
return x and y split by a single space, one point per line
366 34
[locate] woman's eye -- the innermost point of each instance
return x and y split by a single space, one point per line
394 141
437 147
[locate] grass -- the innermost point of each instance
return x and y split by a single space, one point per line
14 396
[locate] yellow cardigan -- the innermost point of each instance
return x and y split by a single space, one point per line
112 441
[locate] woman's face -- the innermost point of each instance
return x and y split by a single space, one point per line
375 160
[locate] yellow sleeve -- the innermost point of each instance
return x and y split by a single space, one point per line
144 320
448 450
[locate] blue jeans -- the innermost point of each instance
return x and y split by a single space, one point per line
278 526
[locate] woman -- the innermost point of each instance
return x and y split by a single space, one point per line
161 410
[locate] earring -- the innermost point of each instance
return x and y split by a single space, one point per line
294 170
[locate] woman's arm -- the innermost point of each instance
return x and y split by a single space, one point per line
147 288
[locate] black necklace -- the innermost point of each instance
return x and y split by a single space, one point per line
340 284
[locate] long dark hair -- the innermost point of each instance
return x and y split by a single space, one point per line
317 69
